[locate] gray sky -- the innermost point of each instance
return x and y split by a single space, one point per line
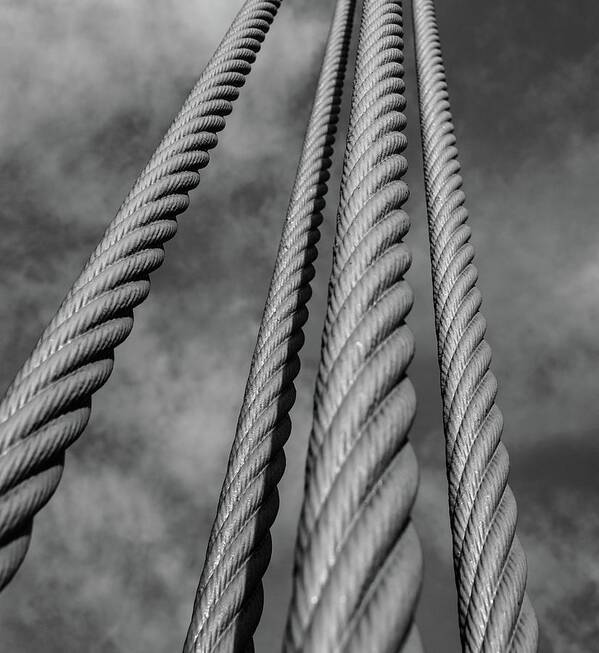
87 91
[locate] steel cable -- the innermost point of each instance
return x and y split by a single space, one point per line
358 563
494 611
48 404
229 598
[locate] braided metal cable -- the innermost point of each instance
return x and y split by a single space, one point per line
229 598
358 564
494 611
48 405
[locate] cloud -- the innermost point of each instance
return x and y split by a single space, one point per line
559 527
536 250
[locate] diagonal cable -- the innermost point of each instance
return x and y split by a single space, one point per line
48 404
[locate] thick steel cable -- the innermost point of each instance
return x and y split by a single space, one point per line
48 405
358 562
229 598
494 611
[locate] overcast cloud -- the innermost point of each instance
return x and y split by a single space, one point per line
87 91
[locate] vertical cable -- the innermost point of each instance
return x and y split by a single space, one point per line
490 566
229 597
358 565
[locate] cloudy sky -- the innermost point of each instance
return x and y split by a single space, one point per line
87 91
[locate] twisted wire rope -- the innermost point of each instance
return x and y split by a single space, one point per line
495 613
48 404
230 595
358 563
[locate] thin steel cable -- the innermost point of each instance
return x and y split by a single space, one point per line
228 603
494 611
358 564
48 404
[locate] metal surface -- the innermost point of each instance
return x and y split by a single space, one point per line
358 562
48 404
229 597
494 611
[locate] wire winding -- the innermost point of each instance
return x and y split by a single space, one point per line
358 564
48 404
495 613
229 598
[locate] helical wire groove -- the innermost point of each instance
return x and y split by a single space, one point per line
48 404
229 597
358 563
495 613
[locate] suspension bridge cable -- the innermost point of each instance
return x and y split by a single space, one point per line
229 599
48 404
358 564
495 613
